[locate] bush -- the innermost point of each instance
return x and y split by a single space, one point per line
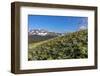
70 46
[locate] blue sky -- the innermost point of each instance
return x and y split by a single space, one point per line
60 24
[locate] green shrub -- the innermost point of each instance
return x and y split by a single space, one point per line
70 46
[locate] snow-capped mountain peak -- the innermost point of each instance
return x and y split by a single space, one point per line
41 32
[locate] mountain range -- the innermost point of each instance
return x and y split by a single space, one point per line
37 35
42 32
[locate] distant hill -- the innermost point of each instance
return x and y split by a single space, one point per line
71 46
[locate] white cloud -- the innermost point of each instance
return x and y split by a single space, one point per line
82 27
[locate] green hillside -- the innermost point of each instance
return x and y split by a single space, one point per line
70 46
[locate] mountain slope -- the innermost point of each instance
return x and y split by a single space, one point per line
38 38
70 46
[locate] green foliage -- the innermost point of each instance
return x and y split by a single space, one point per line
70 46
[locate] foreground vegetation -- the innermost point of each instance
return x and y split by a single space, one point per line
70 46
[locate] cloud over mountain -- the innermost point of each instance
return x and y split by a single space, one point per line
82 27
